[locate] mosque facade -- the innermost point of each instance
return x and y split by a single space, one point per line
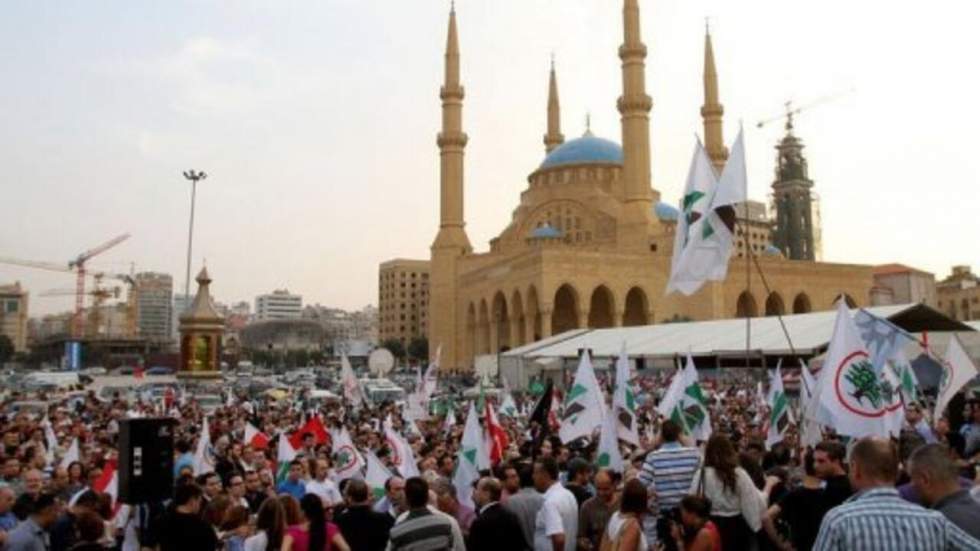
589 244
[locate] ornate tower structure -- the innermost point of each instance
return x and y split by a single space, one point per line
554 137
793 200
634 108
712 111
451 242
201 329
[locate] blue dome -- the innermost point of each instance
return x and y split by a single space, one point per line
546 232
587 149
772 250
666 212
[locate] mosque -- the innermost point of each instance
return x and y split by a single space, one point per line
590 241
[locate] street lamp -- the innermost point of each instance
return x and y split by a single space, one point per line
194 177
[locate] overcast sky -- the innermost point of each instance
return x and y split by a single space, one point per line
316 123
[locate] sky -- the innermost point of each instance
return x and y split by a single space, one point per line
316 122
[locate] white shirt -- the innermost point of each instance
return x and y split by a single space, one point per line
325 490
745 500
558 514
615 527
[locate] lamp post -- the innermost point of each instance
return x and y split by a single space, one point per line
194 177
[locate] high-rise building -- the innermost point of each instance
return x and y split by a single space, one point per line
154 304
278 305
796 207
959 294
403 300
13 315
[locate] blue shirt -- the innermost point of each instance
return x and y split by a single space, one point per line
880 520
185 460
8 521
296 489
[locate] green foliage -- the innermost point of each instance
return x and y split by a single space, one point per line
396 348
418 349
6 349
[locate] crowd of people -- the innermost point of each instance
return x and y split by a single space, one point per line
730 492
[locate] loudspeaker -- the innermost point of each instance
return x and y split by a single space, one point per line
146 460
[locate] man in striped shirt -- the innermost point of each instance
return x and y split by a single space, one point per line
667 473
422 528
877 518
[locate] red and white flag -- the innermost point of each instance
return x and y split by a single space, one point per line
497 436
255 438
108 483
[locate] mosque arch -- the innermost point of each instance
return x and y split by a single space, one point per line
564 316
602 311
775 305
501 319
532 311
636 308
747 307
518 320
801 304
483 329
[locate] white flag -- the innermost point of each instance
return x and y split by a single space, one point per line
850 396
347 461
624 401
376 475
353 392
51 441
431 380
508 406
402 456
450 420
609 456
285 453
780 416
892 395
472 458
810 432
73 454
584 405
906 376
203 454
685 403
696 202
958 370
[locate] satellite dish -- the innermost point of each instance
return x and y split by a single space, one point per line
486 366
380 362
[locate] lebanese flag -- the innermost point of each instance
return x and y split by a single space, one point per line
255 438
315 427
497 441
108 483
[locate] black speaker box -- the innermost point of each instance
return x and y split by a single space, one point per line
146 460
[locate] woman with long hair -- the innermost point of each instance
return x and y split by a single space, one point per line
696 532
270 527
737 507
624 531
314 533
235 528
290 508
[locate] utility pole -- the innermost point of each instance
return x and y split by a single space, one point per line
194 177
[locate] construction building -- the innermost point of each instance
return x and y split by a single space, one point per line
154 304
958 296
13 315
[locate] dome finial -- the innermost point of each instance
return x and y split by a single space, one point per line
588 124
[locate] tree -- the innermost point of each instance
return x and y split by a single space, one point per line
6 349
418 349
677 318
396 348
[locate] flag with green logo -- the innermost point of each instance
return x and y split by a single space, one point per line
472 457
347 462
685 403
584 405
701 182
376 475
780 416
908 382
284 456
609 456
624 401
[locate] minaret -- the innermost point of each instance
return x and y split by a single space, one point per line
451 242
712 110
634 108
554 137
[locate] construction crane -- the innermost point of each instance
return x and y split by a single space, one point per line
792 110
131 306
99 295
76 265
